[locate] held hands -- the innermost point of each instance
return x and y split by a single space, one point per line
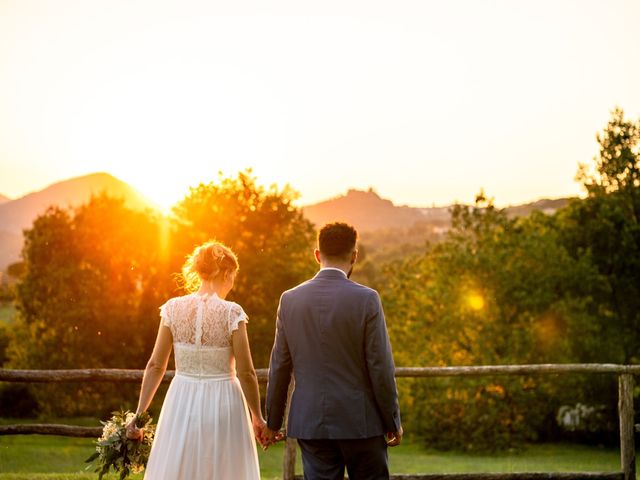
265 436
269 437
394 438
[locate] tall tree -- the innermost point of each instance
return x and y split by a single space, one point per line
605 227
269 234
88 298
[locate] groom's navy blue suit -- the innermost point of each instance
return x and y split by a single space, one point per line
331 334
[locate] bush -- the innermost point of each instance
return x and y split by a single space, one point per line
16 400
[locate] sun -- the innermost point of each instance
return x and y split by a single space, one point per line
161 191
163 201
165 197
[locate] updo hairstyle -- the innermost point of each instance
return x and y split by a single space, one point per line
210 261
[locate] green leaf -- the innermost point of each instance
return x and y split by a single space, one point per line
92 457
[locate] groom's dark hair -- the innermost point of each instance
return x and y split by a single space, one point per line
337 240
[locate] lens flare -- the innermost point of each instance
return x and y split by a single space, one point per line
475 301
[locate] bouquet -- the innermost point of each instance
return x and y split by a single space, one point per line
115 450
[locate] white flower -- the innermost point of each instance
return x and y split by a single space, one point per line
109 430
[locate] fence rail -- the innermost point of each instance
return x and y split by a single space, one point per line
625 375
133 376
51 429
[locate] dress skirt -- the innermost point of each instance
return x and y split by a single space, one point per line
203 432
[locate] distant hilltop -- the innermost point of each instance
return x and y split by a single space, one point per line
368 212
17 215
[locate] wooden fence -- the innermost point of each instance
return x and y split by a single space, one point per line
625 375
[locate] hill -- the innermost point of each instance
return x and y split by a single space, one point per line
545 205
4 198
383 225
17 215
388 231
366 210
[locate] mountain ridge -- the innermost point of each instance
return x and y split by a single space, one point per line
365 209
368 212
18 214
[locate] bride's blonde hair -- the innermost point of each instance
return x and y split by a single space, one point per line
209 261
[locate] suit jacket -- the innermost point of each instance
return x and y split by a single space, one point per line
331 334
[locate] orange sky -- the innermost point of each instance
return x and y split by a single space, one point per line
426 101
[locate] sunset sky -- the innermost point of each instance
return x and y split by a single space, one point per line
426 101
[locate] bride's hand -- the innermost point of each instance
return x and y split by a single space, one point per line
259 424
133 432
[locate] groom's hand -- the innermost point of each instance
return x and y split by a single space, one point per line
394 438
269 437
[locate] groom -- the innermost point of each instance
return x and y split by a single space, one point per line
331 334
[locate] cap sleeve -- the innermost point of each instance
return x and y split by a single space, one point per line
165 313
236 315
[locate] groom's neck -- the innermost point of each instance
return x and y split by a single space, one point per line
344 266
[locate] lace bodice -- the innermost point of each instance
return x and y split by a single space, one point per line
202 326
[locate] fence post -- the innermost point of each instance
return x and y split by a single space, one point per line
625 412
289 460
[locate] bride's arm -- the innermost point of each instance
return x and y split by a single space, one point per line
156 368
247 373
153 374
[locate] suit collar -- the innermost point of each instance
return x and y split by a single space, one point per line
331 273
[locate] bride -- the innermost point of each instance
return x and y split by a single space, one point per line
204 430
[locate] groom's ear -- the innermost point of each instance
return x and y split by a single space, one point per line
316 253
354 256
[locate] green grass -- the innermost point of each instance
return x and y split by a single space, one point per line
35 457
39 457
7 313
413 458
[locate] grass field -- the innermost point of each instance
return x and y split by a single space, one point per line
38 457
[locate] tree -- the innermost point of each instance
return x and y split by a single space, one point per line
617 168
88 298
564 287
495 291
92 279
272 239
605 228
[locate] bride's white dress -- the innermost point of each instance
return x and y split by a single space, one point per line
204 430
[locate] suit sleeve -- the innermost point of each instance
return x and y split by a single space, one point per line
279 376
380 365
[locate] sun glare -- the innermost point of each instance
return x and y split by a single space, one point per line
163 197
475 301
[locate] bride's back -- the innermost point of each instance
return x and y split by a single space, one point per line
202 326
